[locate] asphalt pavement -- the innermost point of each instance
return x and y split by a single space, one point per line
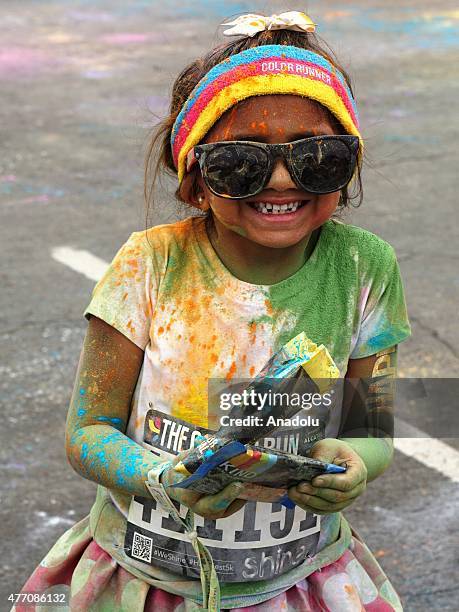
81 85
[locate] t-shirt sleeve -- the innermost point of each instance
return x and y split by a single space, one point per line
123 296
384 320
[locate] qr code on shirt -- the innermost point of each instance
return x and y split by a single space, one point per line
141 547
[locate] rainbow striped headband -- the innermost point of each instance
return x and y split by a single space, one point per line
269 69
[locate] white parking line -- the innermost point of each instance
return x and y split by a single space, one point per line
432 452
409 440
82 261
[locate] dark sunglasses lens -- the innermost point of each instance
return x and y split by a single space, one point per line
235 170
323 165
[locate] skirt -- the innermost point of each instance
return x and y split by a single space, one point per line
92 581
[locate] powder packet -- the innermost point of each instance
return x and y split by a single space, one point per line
231 454
252 464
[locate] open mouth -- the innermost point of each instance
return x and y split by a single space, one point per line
277 209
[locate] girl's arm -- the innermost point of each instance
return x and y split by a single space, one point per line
96 445
366 457
375 404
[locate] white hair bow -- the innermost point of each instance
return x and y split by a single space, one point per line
251 24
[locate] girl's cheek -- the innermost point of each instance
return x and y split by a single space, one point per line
229 220
327 205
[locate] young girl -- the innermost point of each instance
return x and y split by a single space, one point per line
264 138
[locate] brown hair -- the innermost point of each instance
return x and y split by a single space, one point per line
159 154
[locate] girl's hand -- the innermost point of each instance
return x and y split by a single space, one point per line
332 492
222 504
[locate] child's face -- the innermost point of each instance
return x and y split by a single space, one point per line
272 119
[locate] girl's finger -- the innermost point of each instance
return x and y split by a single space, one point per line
331 510
218 504
332 495
341 482
236 505
316 504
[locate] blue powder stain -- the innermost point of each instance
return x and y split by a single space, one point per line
81 412
383 340
84 451
131 462
82 391
116 422
102 458
114 437
120 478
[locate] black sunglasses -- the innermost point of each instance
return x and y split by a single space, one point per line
240 169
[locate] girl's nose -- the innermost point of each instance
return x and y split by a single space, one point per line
280 178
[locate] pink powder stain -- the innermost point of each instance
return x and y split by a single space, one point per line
14 60
33 199
125 38
8 178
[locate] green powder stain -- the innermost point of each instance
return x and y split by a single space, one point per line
238 230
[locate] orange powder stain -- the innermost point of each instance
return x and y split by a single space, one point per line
265 112
162 306
160 330
232 117
130 326
269 308
263 127
124 296
148 311
252 371
244 359
213 359
206 301
231 371
253 125
281 131
252 331
191 311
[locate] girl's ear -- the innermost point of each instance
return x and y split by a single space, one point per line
192 191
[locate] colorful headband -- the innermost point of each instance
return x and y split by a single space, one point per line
269 69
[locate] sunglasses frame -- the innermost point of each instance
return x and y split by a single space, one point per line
199 153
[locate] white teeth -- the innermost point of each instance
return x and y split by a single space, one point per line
276 209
